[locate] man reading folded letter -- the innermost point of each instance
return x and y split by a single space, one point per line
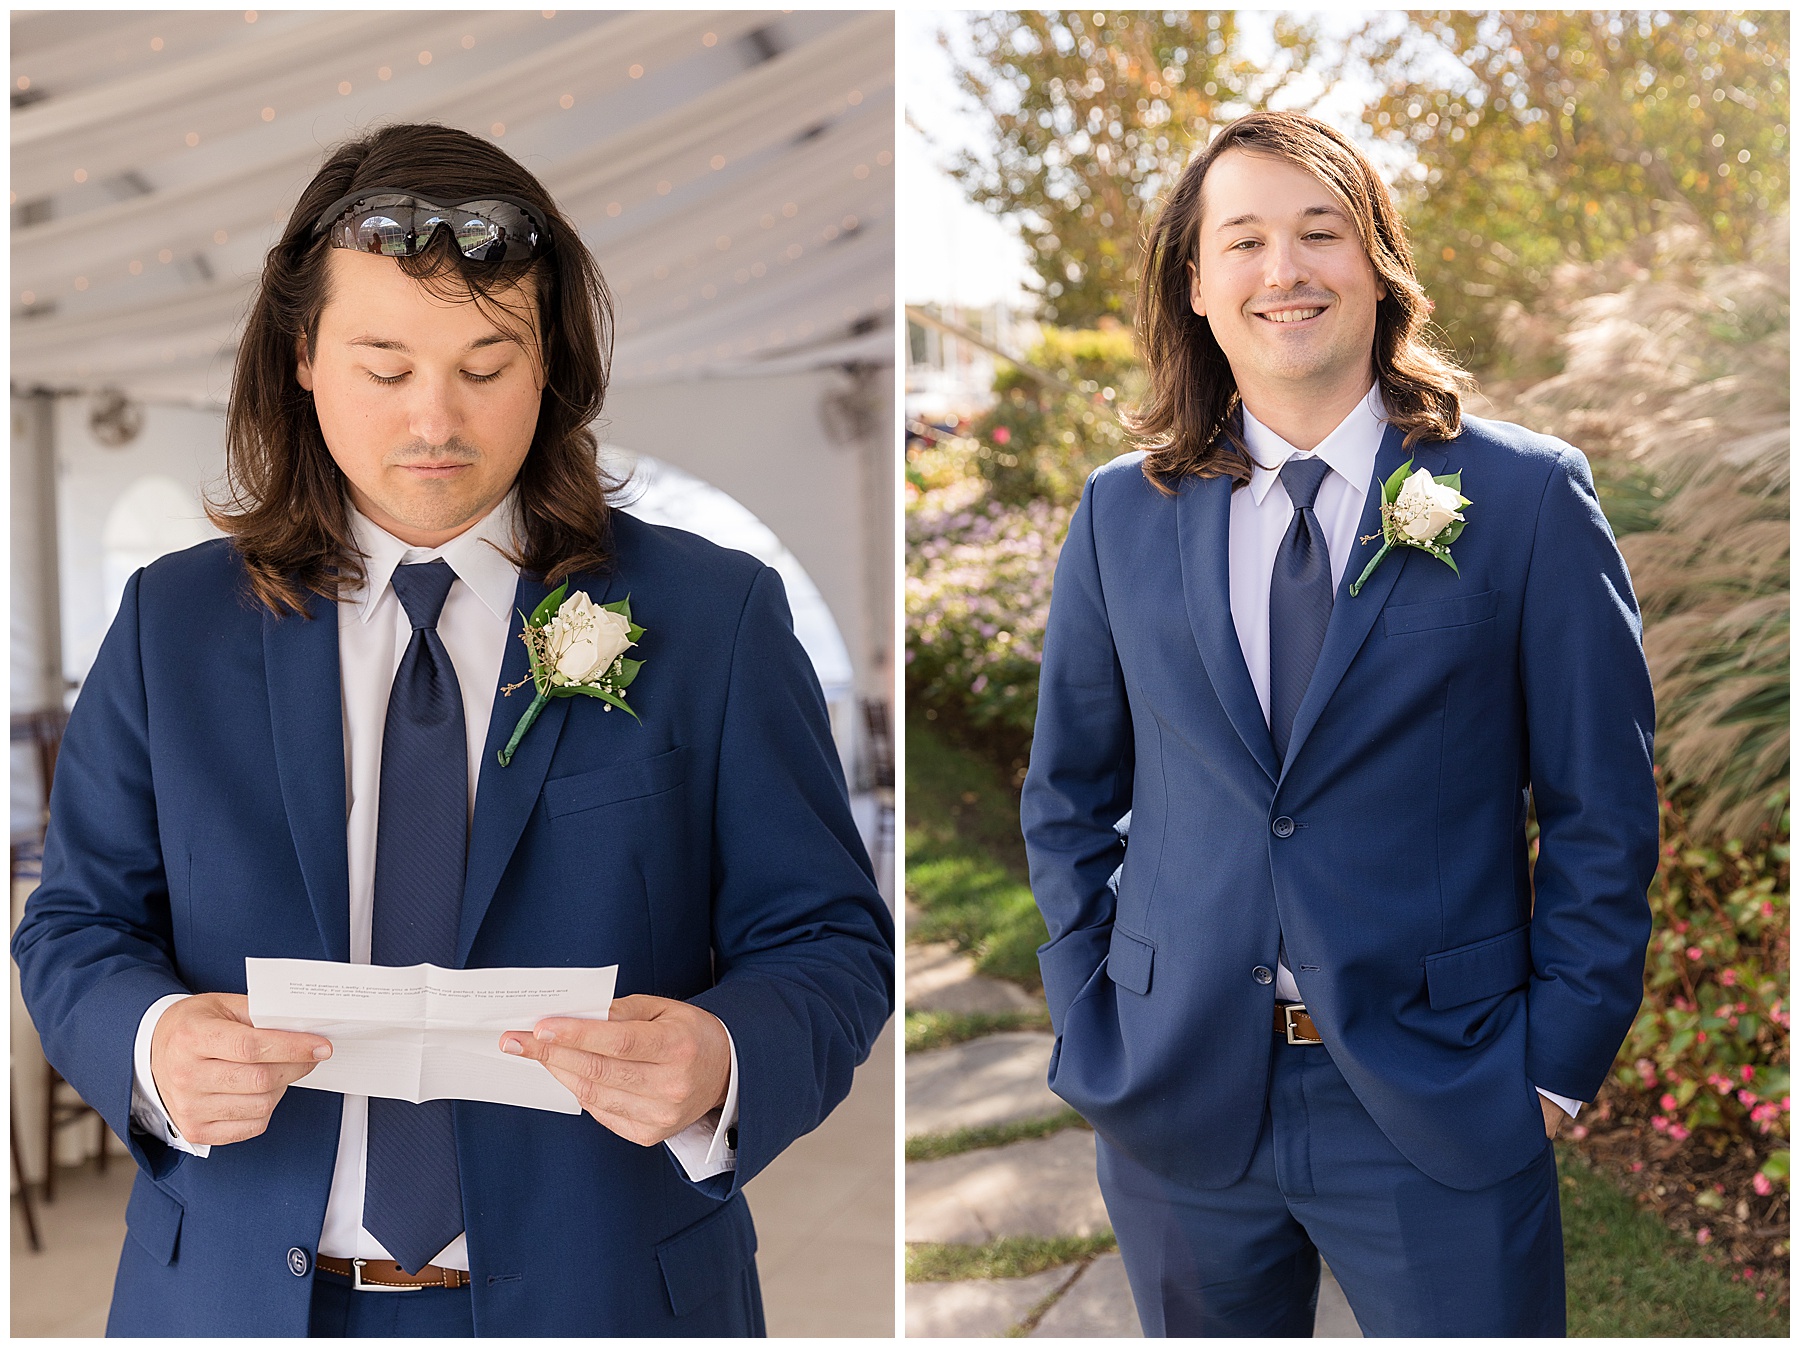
291 745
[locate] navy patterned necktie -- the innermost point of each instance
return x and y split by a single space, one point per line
1299 600
412 1201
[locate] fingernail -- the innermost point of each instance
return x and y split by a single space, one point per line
548 1036
511 1046
322 1052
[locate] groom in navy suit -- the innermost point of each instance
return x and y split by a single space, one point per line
1306 982
290 745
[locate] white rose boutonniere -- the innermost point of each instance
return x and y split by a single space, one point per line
1418 511
577 649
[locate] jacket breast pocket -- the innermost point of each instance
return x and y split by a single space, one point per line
1480 969
1463 610
615 783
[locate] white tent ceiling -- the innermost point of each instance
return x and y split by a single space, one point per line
732 172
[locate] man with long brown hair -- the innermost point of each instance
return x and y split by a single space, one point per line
298 741
1323 1003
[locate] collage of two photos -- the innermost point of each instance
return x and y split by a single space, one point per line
924 673
1346 803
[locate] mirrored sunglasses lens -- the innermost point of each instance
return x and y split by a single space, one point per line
382 234
474 235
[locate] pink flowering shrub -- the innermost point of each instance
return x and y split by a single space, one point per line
1709 1047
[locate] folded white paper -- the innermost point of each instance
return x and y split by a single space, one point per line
424 1033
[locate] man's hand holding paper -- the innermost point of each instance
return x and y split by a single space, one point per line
426 1033
651 1069
219 1076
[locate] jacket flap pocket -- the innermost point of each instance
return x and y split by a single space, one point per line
153 1216
1464 609
702 1260
613 783
1481 969
1128 962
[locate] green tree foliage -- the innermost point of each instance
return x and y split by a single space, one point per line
1546 136
1038 442
1094 114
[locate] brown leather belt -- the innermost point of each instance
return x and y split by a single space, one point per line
1292 1021
384 1275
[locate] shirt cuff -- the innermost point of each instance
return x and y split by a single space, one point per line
147 1110
1562 1102
706 1147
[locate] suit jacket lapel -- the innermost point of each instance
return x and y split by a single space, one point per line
506 796
300 662
1203 525
1353 618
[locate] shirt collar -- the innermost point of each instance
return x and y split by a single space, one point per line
1350 449
475 555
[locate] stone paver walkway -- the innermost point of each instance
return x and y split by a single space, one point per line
939 978
1043 1187
1096 1306
993 1080
980 1308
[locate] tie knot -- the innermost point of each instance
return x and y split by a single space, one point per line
422 587
1302 477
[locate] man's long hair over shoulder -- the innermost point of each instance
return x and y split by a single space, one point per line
286 502
1187 420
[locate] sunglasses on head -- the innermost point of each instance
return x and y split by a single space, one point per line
392 223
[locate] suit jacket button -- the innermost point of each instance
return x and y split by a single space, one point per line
1262 975
1284 827
297 1261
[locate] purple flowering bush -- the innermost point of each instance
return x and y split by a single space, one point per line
978 574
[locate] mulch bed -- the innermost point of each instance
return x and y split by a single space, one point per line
1745 1231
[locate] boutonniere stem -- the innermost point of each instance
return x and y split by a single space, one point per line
1418 511
577 649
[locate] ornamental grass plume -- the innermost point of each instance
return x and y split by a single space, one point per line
1675 382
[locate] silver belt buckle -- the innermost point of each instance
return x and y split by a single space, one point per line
1287 1021
357 1283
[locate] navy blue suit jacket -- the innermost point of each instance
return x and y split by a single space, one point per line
198 817
1389 849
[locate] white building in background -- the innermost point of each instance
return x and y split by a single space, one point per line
950 377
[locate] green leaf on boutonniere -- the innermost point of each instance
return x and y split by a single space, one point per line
622 607
547 610
588 690
1390 490
627 671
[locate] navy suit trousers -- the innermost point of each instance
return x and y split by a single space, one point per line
1413 1256
339 1311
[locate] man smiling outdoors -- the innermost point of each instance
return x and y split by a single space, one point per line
1312 652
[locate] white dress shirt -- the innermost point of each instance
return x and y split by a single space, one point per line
1260 516
475 625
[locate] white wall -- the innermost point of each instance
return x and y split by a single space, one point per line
762 441
183 444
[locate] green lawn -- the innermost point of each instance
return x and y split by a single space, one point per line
1008 1257
936 1146
1628 1275
965 861
939 1029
